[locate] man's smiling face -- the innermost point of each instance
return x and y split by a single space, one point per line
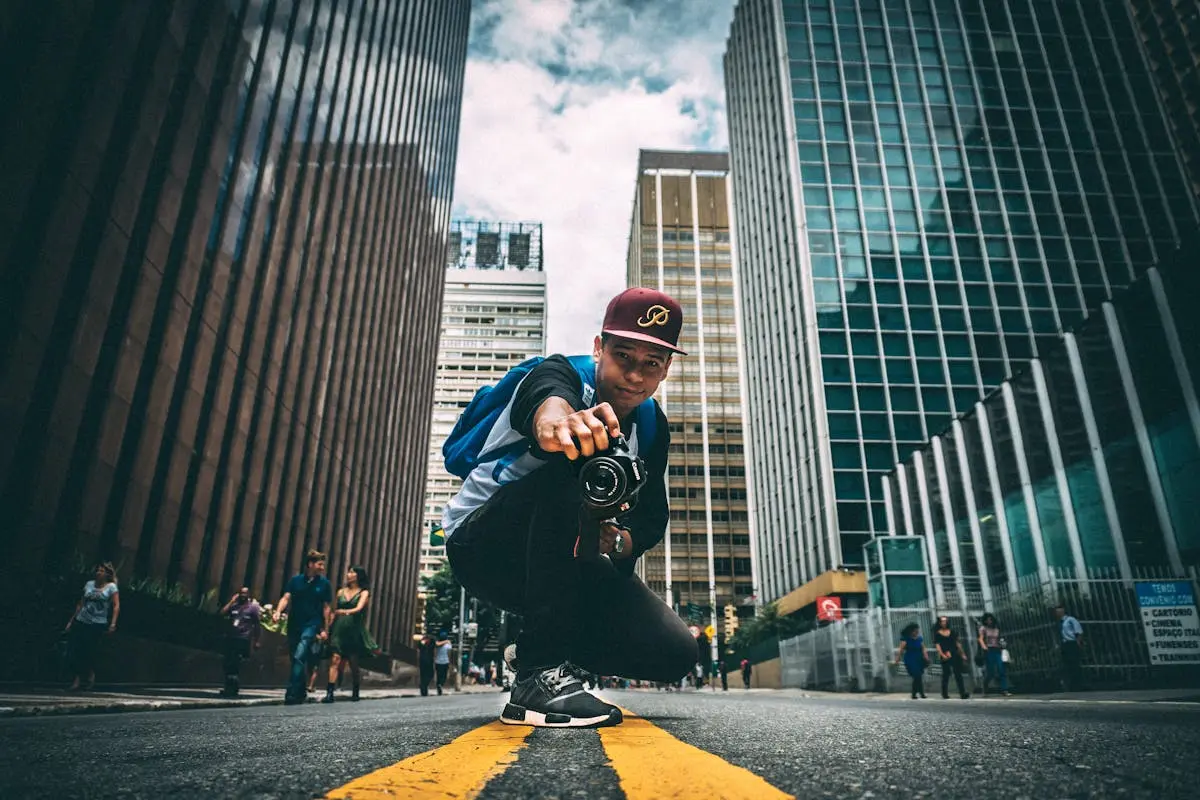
628 371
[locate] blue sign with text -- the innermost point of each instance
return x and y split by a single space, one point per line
1156 594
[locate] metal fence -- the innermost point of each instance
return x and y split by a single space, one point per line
856 653
853 655
1114 652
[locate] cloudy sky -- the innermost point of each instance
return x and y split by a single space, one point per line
559 96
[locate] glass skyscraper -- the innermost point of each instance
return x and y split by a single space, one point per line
927 192
1170 31
1087 460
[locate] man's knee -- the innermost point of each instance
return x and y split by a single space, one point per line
678 656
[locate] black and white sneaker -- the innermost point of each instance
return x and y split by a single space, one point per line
555 698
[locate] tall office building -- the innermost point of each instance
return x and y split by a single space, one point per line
927 193
493 318
222 239
1170 31
680 243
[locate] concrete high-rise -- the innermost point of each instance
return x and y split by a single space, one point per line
680 242
222 243
927 193
493 318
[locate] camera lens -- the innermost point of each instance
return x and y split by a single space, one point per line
603 482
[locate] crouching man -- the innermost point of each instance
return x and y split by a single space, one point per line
523 537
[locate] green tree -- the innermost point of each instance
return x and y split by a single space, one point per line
766 625
442 592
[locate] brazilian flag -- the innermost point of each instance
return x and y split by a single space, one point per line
437 536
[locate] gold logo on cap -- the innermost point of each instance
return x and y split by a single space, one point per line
655 315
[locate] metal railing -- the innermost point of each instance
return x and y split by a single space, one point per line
856 653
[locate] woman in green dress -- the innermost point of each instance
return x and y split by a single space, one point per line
348 637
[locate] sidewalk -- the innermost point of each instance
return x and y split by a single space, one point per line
118 699
1190 696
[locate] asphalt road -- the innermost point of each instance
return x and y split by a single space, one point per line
684 744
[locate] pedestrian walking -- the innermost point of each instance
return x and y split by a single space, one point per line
912 652
724 676
425 662
441 659
349 639
1071 648
532 533
306 600
242 636
747 669
992 645
95 616
953 657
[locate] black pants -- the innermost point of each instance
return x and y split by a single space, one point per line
1072 661
84 647
518 553
442 671
236 649
426 677
955 666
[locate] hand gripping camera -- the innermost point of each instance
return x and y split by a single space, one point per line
610 480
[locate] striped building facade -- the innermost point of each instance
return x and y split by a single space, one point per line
222 250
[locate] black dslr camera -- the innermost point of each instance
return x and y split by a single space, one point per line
610 480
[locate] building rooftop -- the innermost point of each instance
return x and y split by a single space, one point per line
683 159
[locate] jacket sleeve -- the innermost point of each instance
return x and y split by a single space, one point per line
647 522
554 377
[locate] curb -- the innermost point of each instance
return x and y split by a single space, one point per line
155 705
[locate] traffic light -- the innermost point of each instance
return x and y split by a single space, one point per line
731 620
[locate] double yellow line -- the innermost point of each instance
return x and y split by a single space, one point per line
649 762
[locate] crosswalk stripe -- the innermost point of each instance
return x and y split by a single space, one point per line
459 769
651 763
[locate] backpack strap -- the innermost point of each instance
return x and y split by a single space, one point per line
647 425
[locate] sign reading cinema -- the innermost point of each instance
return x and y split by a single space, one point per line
1171 623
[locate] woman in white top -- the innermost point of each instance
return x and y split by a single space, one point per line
95 615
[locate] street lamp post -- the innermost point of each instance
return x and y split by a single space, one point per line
462 607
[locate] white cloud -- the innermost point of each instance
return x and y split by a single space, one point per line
559 96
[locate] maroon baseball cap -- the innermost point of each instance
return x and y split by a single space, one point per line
646 315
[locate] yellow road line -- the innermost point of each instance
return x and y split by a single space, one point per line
651 763
460 769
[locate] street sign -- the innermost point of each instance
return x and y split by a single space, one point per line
695 631
710 631
829 609
1170 620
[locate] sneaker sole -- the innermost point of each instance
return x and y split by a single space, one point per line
517 715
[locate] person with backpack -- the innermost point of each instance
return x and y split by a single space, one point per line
522 537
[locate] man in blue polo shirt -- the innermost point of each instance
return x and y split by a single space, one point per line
309 596
1071 647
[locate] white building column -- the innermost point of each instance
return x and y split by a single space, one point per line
708 526
1097 448
739 333
1018 439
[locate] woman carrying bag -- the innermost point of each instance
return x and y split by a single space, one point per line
95 616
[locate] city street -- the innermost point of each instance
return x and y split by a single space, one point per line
758 744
